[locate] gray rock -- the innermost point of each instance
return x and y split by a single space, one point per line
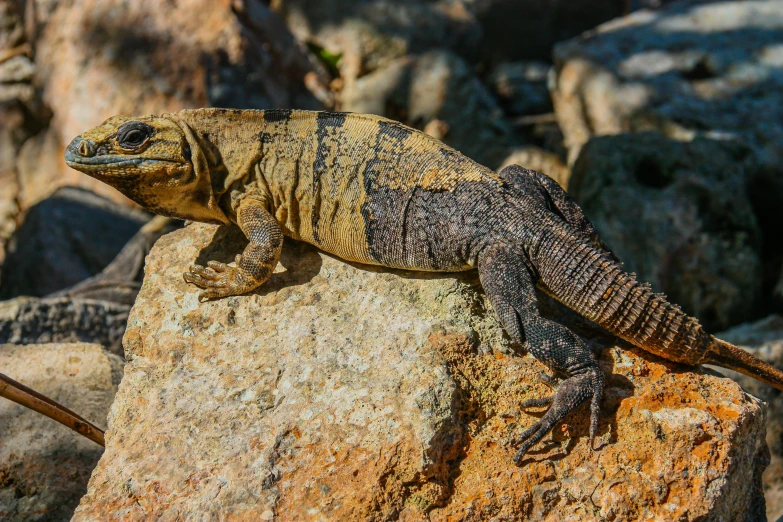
345 392
65 239
120 281
691 68
679 216
522 87
28 320
764 338
444 88
44 466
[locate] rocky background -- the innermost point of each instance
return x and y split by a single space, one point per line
664 120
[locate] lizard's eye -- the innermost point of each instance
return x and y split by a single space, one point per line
133 135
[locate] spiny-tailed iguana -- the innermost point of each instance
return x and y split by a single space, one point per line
372 190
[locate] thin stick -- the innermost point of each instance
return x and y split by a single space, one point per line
21 394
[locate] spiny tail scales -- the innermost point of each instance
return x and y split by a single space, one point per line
628 308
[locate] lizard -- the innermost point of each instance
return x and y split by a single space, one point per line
372 190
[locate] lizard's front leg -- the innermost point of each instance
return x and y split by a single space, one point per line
253 267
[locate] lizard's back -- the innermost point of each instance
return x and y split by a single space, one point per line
363 186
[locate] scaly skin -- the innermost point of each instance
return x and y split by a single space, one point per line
372 190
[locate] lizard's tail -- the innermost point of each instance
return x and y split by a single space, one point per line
735 358
588 281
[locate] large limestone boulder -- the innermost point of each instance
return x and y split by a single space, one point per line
679 215
98 58
44 466
343 392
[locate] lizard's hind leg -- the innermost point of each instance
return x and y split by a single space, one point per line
510 287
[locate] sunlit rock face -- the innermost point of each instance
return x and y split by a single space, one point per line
347 392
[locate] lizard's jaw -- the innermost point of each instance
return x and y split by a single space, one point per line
81 155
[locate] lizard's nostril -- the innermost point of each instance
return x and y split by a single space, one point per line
87 148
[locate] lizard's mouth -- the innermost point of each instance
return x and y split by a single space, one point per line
82 163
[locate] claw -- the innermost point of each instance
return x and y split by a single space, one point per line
571 393
206 273
536 403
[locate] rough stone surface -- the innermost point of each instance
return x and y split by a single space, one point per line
21 113
27 320
764 338
98 58
44 466
342 392
692 68
65 239
678 214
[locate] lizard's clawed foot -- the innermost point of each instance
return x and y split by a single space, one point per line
571 393
220 280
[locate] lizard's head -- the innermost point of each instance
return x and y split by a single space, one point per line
151 160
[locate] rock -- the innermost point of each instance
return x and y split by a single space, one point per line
65 239
98 58
522 87
764 338
692 68
342 392
21 113
44 466
27 320
689 69
120 281
678 214
409 61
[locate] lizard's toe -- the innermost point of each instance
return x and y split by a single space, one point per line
213 293
203 272
217 266
536 403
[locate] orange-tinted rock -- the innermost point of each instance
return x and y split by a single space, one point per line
342 392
